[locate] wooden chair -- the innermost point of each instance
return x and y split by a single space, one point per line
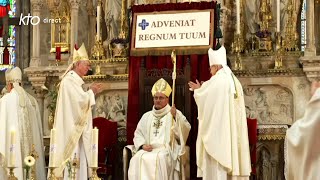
107 149
182 94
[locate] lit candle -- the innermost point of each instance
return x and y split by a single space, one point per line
52 152
12 151
278 15
238 16
94 147
98 20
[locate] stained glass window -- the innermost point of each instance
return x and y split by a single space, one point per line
8 54
303 26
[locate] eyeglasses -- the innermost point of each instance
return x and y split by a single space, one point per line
158 98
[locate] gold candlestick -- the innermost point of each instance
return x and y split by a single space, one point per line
51 175
97 52
279 52
11 174
238 48
94 175
74 166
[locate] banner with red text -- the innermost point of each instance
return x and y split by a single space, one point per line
158 33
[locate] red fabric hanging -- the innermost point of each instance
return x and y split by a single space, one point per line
58 53
6 56
4 10
253 139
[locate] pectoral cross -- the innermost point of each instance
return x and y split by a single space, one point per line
156 132
157 125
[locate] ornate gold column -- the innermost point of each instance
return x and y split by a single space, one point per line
35 11
124 26
310 47
74 4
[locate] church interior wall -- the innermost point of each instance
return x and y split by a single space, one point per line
266 87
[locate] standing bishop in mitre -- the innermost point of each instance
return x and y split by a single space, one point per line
302 145
222 142
73 119
159 139
20 118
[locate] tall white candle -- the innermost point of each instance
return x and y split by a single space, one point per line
52 153
238 15
12 157
278 15
98 20
94 147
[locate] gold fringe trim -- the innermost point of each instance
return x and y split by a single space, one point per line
168 50
73 140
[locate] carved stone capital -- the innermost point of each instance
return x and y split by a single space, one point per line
35 62
90 9
40 76
74 4
311 67
36 5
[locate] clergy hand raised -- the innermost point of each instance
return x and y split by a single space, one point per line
193 86
147 147
96 88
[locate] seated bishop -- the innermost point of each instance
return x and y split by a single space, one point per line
160 139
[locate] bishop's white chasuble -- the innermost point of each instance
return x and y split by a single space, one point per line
302 145
156 128
19 111
73 124
222 142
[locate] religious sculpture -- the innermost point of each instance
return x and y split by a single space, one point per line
265 170
112 11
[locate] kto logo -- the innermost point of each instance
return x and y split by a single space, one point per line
25 20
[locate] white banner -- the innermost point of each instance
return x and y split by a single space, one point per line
172 29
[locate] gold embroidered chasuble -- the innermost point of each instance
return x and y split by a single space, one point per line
19 111
73 124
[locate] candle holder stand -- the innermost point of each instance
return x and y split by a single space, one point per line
97 54
279 52
94 175
238 48
51 175
75 164
11 174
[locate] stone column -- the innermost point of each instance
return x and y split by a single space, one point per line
92 25
35 56
40 95
310 47
74 4
38 83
